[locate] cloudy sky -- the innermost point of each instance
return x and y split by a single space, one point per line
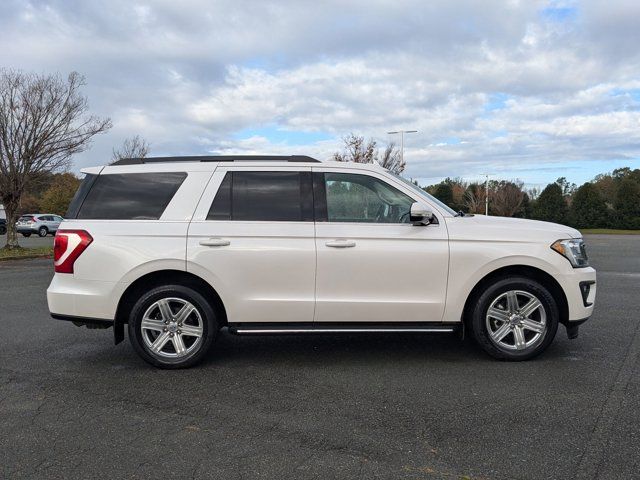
523 89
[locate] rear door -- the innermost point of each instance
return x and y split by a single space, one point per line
252 239
373 265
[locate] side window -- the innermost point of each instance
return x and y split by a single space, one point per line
263 196
362 198
130 196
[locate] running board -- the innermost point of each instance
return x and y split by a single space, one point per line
271 329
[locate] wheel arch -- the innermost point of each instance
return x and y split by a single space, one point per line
158 278
528 271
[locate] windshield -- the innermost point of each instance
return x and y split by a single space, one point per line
421 192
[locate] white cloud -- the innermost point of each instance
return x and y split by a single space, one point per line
190 75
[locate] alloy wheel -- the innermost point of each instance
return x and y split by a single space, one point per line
516 320
172 328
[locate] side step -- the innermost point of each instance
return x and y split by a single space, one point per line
303 328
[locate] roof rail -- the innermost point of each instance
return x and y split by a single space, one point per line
218 158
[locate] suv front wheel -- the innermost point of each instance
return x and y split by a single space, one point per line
515 318
172 326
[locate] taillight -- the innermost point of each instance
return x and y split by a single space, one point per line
67 247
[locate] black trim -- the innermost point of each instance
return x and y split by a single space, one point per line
576 322
83 320
585 289
218 158
306 196
319 197
364 326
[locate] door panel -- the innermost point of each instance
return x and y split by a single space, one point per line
264 271
378 272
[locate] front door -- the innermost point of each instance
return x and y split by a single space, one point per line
252 239
373 264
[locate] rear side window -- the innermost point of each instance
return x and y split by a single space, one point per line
130 196
264 196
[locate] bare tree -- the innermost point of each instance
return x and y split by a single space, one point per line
43 122
357 150
134 147
474 198
392 160
506 198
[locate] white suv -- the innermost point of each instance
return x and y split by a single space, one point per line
177 248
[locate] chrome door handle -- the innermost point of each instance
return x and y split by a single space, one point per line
215 242
340 243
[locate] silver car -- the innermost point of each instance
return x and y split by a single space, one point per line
42 224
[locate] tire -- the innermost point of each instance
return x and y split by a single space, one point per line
516 328
3 230
43 232
26 235
163 329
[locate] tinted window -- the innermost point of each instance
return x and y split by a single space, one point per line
265 196
81 194
361 198
221 206
130 196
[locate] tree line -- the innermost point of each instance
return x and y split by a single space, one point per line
610 200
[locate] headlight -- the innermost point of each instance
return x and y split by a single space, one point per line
573 250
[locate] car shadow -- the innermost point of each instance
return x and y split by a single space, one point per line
341 349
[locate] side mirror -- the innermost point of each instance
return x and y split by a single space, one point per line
420 214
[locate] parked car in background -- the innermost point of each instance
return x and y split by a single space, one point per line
3 226
178 248
41 223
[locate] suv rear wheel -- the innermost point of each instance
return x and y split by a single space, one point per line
515 318
172 326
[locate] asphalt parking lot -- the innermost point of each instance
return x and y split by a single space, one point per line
72 405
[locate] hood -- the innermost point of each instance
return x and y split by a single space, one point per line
481 227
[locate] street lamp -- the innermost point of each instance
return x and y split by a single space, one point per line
486 193
402 132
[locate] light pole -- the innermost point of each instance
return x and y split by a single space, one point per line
402 132
486 193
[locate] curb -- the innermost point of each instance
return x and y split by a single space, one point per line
26 257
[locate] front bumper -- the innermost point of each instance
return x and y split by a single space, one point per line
579 287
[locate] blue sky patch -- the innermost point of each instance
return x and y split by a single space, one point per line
279 135
559 14
497 101
634 93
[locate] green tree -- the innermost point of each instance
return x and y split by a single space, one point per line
568 188
57 197
627 204
526 207
588 209
551 205
444 192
